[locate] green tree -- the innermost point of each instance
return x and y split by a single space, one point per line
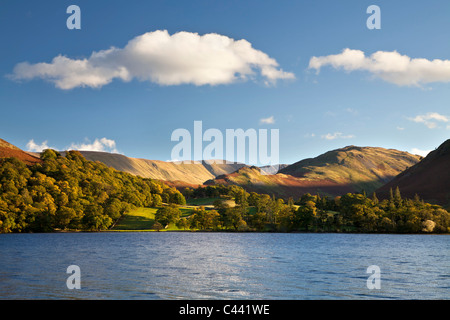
168 214
49 154
305 215
204 219
182 223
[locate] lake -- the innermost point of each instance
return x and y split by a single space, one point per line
179 265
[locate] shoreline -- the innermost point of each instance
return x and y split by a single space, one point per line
224 231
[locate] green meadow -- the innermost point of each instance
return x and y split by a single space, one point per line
142 219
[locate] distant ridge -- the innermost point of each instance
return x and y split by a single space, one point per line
340 171
195 173
366 167
429 179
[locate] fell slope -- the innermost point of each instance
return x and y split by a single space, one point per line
349 169
8 150
365 168
430 178
195 173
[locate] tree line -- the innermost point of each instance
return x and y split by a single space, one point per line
353 212
72 193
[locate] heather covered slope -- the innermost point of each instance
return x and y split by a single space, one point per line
280 185
8 150
365 168
349 169
430 178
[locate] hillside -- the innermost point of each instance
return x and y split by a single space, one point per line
430 178
349 169
193 174
273 169
8 150
363 167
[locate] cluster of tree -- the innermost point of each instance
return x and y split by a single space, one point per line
212 191
348 213
72 193
395 214
199 219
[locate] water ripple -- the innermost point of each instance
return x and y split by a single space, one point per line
223 266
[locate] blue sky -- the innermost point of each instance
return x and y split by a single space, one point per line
338 103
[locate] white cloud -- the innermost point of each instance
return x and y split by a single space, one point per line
337 135
430 119
269 120
34 147
158 57
419 152
103 145
389 66
400 128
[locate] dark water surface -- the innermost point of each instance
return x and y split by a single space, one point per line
163 265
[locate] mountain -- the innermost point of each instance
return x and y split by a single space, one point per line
363 167
8 150
349 169
253 179
430 178
175 172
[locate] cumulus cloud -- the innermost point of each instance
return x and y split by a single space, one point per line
430 119
34 147
158 57
269 120
390 66
337 135
103 144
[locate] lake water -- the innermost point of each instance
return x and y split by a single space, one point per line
163 265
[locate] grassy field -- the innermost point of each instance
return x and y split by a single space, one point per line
142 219
137 219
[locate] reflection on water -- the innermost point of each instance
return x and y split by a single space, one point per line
223 266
